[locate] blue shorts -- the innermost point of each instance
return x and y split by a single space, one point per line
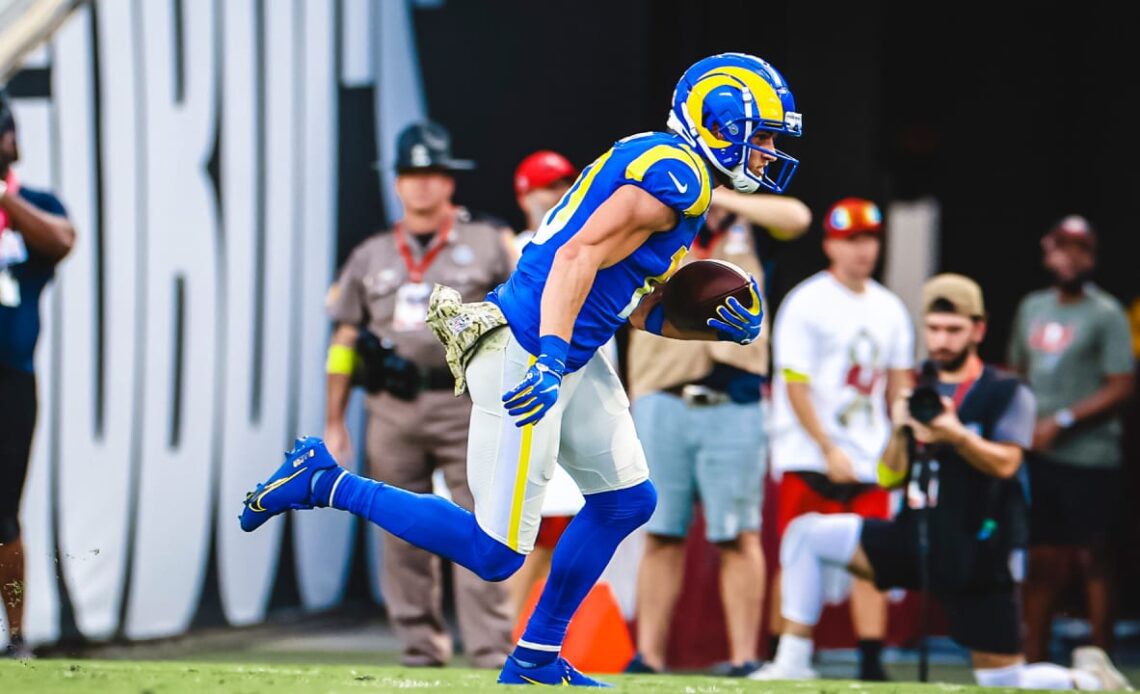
716 454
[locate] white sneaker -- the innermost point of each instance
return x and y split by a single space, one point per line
775 671
1096 662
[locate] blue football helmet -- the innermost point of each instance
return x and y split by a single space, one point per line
739 94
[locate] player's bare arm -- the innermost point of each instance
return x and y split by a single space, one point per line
616 229
650 302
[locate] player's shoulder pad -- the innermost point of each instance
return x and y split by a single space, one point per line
669 170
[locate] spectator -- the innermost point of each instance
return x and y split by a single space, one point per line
973 424
416 424
843 345
540 181
1072 343
700 416
35 235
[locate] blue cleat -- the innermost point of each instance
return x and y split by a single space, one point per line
559 674
288 487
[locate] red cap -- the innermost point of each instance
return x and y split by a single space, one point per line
540 170
852 216
1074 228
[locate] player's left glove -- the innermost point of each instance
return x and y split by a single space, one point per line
737 323
536 394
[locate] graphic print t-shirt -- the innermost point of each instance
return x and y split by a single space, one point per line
844 343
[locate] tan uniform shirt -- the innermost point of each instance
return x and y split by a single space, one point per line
375 288
656 363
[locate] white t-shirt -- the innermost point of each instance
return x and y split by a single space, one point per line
844 342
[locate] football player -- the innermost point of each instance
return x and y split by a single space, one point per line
543 393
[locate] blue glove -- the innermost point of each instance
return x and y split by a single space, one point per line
737 323
538 392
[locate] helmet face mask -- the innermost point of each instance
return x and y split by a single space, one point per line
718 106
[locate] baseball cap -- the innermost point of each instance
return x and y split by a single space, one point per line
1074 228
852 216
540 169
960 292
427 145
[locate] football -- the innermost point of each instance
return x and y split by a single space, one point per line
692 294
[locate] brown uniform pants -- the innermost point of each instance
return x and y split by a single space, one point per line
407 441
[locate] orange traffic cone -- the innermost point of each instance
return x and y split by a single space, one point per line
598 639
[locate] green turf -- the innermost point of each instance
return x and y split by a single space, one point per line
176 677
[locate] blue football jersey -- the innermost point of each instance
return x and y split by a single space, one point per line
663 165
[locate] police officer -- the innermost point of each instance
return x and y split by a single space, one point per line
34 235
416 425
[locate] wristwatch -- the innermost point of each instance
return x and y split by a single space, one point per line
1064 418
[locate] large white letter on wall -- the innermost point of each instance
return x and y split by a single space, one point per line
322 540
182 322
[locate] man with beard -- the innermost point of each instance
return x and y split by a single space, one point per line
968 487
1072 343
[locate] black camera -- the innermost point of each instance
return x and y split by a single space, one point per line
925 403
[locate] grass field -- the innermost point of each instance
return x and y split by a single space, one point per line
176 677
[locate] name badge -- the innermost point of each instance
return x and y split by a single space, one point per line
9 289
12 248
411 306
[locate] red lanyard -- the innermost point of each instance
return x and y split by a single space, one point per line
964 387
13 187
416 271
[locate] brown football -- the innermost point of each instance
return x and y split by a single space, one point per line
692 294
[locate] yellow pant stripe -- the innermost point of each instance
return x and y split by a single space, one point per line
519 497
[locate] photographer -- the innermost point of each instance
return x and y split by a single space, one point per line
415 423
965 480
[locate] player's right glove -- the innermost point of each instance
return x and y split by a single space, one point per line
536 394
738 323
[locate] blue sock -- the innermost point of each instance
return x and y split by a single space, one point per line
580 556
320 490
425 520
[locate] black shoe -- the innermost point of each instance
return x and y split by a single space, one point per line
637 666
19 651
874 674
744 670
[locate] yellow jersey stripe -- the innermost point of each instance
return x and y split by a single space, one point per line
577 194
521 471
638 167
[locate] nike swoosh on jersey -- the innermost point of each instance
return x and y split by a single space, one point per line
682 188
